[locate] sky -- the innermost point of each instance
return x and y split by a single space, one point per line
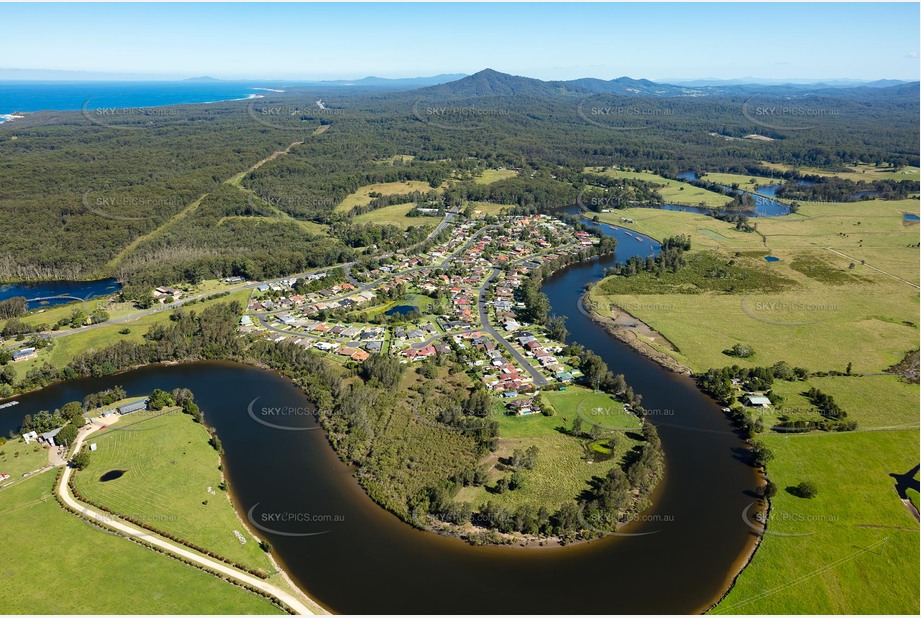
547 41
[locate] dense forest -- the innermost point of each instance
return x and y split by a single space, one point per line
162 198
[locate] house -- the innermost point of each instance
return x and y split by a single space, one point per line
522 407
48 436
133 407
374 346
286 319
360 356
163 292
757 401
24 354
28 437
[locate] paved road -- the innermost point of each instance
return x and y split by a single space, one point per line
175 305
539 379
245 286
109 521
447 261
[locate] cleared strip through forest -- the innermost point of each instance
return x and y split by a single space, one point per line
234 180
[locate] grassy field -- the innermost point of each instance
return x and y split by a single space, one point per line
487 208
420 301
744 181
396 215
58 564
17 458
562 471
670 190
51 314
827 304
490 176
362 197
396 159
873 401
832 313
858 172
66 348
170 467
859 549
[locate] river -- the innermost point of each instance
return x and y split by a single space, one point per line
354 557
42 293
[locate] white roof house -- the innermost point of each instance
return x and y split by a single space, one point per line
28 437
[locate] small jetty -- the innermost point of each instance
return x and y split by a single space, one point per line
8 404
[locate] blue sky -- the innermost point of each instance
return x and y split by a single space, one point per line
548 41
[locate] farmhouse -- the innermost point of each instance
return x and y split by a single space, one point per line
163 292
757 401
24 354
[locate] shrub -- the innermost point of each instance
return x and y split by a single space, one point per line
805 489
740 350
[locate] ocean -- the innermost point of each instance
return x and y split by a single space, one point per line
63 96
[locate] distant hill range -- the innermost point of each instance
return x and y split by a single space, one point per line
493 83
399 82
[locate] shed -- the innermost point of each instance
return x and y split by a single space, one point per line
128 408
48 436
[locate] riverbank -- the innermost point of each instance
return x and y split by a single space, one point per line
635 333
811 552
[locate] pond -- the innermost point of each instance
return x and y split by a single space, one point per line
401 310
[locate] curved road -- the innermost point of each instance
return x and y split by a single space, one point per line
106 520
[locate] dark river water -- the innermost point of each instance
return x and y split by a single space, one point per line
40 293
354 557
